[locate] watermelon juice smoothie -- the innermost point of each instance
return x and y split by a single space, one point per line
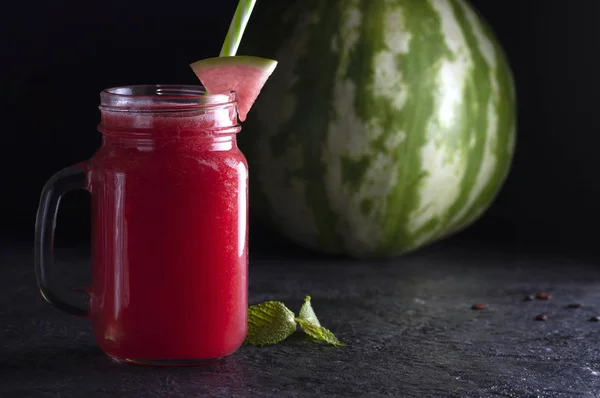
169 197
169 190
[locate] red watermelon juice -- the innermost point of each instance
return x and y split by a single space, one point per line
169 190
169 202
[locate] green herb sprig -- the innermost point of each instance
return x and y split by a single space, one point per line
272 322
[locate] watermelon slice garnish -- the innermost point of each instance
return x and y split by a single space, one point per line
246 75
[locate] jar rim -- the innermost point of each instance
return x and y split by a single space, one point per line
161 98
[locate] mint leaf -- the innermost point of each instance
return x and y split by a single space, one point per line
309 323
319 333
269 323
272 322
307 313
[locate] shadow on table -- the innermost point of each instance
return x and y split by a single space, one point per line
59 365
267 243
52 360
86 358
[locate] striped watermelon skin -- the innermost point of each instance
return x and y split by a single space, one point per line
387 125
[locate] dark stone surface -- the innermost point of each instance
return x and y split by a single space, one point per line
408 325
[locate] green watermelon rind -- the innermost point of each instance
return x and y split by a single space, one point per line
238 60
293 150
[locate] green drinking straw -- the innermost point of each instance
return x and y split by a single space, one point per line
237 27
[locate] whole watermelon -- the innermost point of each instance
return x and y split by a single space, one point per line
387 125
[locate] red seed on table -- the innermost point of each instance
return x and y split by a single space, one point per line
543 296
541 317
478 306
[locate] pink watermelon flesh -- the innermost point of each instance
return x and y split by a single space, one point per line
245 75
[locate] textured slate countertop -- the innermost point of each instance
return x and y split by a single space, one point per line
408 325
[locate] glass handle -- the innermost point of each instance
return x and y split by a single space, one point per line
68 179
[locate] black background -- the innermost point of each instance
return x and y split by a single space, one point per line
57 56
